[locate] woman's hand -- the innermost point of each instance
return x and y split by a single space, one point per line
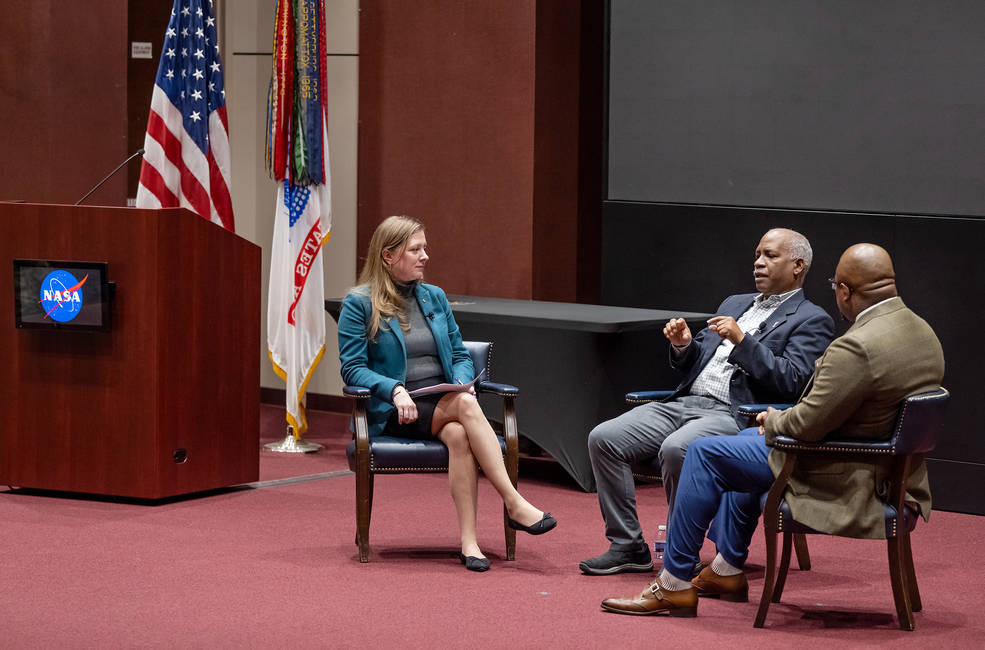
406 409
470 390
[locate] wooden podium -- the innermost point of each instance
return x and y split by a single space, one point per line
165 403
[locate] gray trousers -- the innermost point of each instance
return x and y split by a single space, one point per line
662 429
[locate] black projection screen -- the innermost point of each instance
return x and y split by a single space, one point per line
869 105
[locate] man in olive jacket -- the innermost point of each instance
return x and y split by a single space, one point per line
888 353
855 392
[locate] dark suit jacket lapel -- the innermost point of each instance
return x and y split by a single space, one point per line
780 316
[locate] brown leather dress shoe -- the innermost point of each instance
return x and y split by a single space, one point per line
732 588
655 600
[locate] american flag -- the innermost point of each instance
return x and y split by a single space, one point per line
186 159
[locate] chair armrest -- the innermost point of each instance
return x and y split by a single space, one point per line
755 409
503 390
832 445
356 392
644 396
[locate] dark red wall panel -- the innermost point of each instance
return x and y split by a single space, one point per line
63 99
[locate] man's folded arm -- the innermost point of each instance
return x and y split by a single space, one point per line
841 384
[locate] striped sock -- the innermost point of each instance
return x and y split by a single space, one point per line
671 582
723 568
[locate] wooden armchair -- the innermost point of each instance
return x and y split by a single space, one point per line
918 427
389 455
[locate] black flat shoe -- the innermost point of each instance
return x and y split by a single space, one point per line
546 523
474 563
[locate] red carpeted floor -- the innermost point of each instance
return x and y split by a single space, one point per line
274 565
325 428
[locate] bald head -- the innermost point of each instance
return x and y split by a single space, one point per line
865 272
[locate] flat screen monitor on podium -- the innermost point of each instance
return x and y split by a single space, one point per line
62 295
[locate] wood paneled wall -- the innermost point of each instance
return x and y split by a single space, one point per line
63 99
474 118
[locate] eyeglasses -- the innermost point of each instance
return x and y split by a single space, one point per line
835 283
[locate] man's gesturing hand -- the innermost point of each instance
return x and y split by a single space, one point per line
726 327
677 332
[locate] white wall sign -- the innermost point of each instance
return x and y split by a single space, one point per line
140 50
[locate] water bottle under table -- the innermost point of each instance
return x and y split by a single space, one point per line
660 542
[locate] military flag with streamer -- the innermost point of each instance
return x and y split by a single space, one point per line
297 157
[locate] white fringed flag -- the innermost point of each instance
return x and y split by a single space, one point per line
297 156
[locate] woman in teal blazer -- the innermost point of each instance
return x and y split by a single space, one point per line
381 365
393 326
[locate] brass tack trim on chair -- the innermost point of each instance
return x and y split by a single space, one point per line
392 470
899 424
830 448
488 367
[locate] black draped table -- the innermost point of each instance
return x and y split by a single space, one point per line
573 364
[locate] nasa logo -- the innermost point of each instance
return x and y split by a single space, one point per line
61 295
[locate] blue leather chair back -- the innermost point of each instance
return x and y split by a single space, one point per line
918 428
481 353
920 422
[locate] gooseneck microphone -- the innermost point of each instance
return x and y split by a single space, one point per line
139 152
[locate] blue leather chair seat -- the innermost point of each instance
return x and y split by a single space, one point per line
391 455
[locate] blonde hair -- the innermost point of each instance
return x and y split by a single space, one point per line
377 280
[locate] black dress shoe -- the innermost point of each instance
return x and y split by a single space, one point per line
474 563
617 561
546 523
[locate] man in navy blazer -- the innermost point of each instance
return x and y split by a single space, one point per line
759 348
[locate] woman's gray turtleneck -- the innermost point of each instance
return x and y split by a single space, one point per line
423 362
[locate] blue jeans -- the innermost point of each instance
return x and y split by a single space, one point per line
721 484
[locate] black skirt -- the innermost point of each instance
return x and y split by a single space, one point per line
419 429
